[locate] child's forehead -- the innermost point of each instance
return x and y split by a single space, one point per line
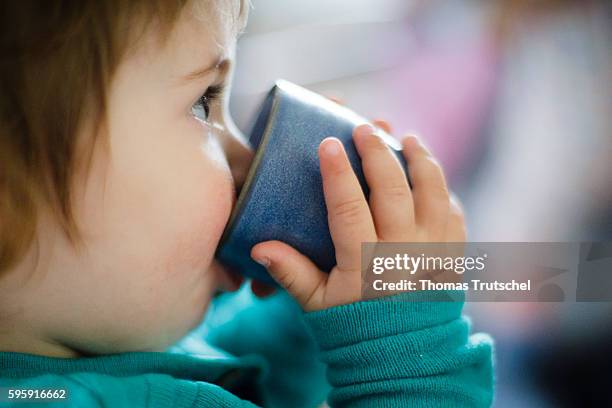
219 21
207 29
205 32
231 15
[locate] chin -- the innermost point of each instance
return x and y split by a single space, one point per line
198 308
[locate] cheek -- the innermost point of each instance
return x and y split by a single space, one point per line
203 211
177 282
158 208
199 228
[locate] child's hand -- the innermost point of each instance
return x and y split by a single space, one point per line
394 214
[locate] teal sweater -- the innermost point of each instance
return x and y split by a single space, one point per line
250 352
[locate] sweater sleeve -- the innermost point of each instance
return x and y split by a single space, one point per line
403 351
274 329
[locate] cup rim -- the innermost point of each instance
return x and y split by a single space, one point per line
246 189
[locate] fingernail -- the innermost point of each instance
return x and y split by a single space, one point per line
263 261
332 147
410 138
415 137
365 130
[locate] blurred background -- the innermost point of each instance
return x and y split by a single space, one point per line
515 99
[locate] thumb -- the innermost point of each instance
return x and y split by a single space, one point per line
293 271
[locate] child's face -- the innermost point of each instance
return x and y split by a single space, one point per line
154 205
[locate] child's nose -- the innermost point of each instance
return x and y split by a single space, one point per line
239 156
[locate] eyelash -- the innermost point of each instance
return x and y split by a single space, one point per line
212 94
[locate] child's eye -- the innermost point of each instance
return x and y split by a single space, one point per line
201 109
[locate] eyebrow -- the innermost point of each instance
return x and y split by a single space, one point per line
221 64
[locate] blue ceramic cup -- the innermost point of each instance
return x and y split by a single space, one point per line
282 196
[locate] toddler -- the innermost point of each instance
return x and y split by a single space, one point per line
119 167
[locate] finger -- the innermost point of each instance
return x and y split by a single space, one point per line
293 271
229 280
390 197
348 214
261 290
384 125
456 228
429 190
